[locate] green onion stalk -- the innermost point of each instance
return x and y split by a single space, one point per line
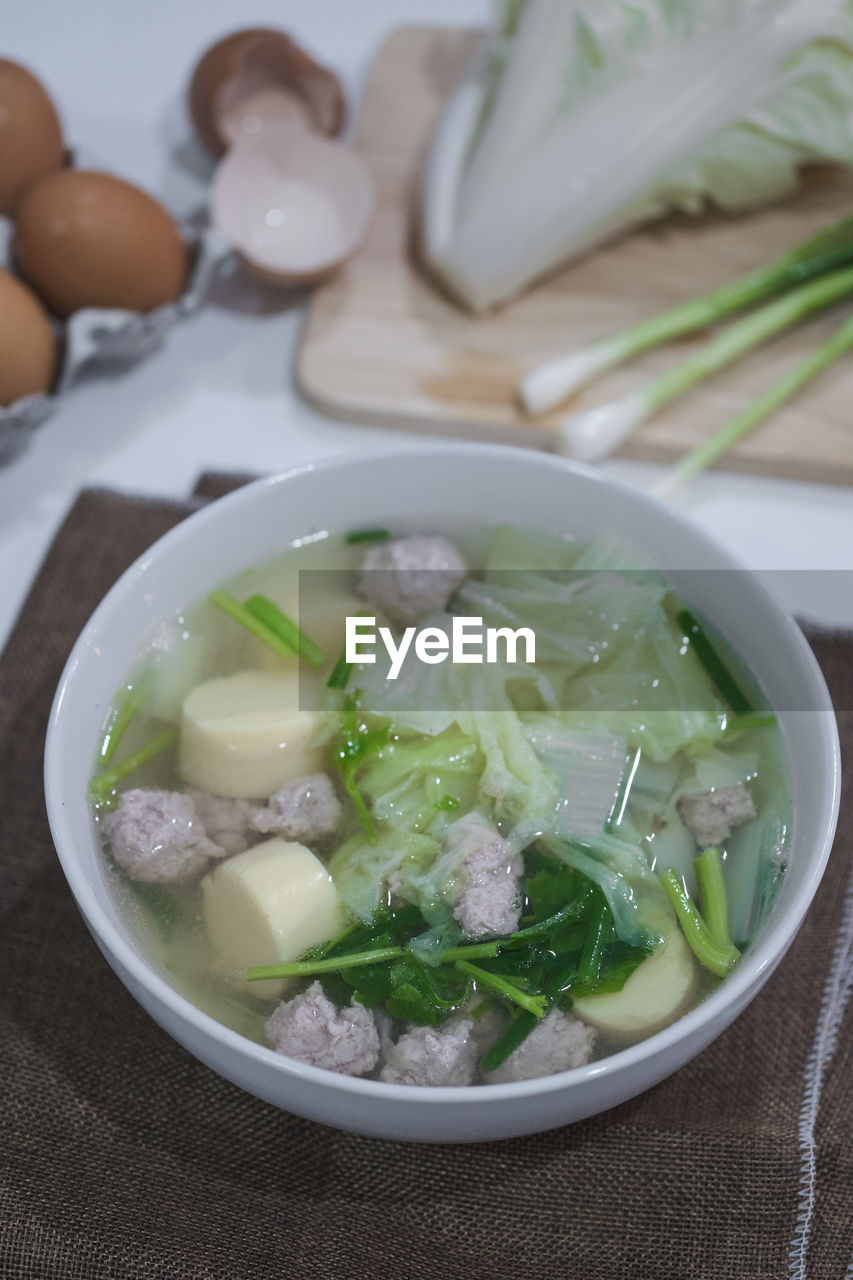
755 413
553 382
707 932
595 433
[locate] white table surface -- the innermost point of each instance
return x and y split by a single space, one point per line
220 395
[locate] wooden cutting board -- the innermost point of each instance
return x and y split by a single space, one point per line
383 345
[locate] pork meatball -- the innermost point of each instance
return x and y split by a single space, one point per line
310 1028
158 836
407 579
490 873
558 1043
305 809
225 820
433 1056
711 817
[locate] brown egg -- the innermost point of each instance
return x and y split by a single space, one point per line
27 342
87 239
30 133
261 69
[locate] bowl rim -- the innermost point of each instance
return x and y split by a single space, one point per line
738 988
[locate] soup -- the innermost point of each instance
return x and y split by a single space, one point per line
443 810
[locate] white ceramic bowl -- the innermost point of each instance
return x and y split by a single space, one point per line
429 485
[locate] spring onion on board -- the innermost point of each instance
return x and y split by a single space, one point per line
595 433
754 414
546 386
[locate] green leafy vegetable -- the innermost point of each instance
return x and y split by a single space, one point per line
354 746
493 982
376 961
331 964
598 935
706 931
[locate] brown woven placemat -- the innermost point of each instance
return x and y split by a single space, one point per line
122 1157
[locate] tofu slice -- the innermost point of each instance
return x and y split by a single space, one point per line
244 736
657 992
268 905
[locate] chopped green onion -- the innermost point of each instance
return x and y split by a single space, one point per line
341 672
105 783
712 895
249 620
268 613
598 934
545 387
569 915
714 950
520 1028
332 964
493 982
514 1035
124 709
595 433
474 951
713 664
755 720
356 744
352 790
760 409
366 535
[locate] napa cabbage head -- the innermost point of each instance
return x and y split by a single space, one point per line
580 118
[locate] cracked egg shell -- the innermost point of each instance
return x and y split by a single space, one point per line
294 204
87 239
257 77
27 342
31 142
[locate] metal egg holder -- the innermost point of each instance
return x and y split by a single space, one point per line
98 335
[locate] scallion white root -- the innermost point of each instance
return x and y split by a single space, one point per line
596 433
760 409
